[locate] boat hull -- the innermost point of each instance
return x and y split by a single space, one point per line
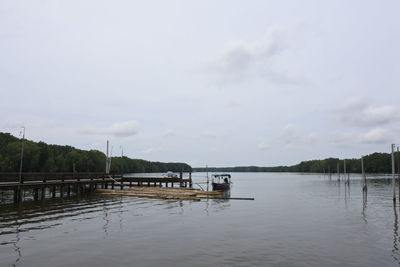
221 186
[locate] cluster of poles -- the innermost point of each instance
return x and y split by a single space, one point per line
346 176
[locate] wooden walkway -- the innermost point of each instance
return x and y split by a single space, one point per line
41 185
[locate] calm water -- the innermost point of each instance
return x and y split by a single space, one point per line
295 220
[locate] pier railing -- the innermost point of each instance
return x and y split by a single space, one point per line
51 176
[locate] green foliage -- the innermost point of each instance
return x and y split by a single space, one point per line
41 157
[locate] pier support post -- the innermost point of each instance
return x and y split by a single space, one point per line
36 193
43 193
15 195
53 191
69 190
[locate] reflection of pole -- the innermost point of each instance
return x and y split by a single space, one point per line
393 175
395 232
22 155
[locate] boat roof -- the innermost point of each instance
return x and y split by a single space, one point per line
222 175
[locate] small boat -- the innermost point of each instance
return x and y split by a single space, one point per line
221 182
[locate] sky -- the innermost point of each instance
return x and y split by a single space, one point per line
217 83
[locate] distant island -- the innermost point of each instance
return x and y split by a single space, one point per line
373 163
42 157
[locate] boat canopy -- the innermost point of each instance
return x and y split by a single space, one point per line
222 175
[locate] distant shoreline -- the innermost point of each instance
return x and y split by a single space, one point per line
379 163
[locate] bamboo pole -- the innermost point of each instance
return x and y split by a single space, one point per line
393 174
398 169
363 175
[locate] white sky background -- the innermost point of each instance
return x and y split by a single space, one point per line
222 83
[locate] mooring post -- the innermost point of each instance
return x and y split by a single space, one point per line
338 172
393 174
398 169
363 176
329 170
344 171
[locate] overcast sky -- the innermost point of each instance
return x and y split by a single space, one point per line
222 83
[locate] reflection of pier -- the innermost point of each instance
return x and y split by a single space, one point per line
40 185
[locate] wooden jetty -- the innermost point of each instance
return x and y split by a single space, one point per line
40 185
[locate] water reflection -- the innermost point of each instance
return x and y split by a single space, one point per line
395 250
105 218
16 246
364 208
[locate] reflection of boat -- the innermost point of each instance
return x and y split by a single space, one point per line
221 182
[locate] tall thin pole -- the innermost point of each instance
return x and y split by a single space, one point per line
393 174
107 168
207 177
338 172
344 170
22 155
363 175
330 174
398 169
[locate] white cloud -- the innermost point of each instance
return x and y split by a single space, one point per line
119 129
356 112
242 59
264 146
169 133
214 134
378 136
151 150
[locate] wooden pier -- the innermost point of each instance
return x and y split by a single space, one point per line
42 185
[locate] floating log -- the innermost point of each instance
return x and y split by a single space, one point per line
234 198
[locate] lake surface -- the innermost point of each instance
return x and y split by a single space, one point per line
295 220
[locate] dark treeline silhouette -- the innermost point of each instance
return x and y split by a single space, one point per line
373 163
41 157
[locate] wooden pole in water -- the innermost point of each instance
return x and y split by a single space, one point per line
338 172
393 174
22 155
330 174
398 170
344 170
363 175
107 170
207 176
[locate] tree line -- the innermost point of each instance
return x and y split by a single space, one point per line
42 157
373 163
